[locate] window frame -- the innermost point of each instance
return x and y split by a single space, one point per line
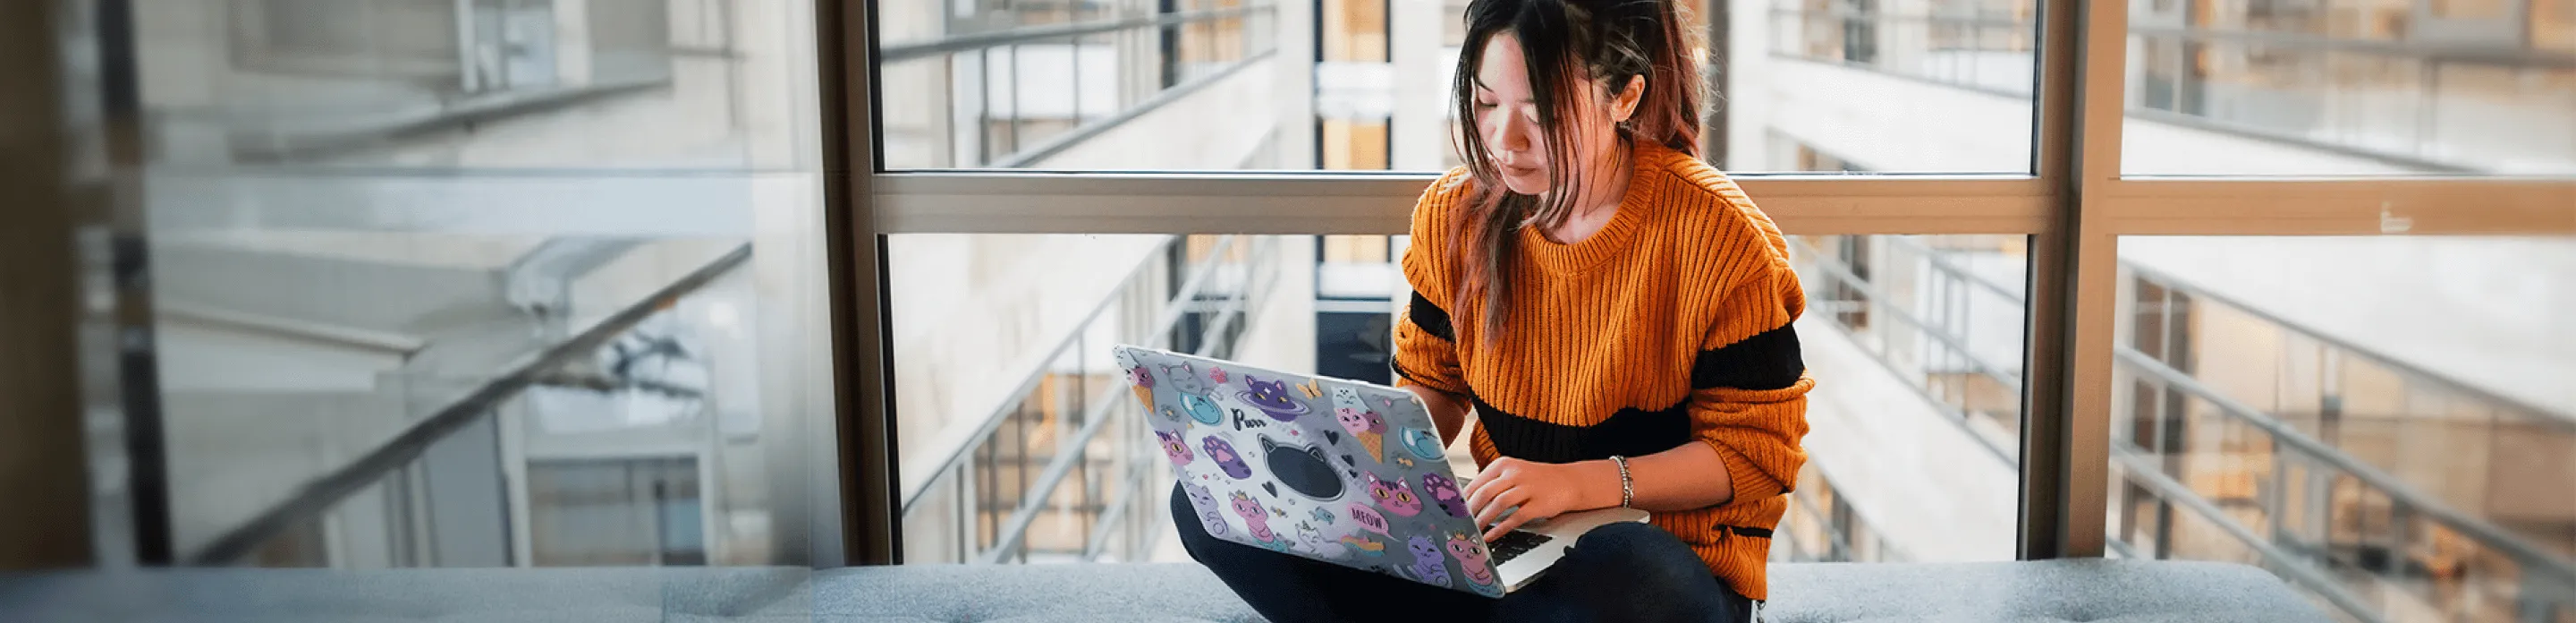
2076 205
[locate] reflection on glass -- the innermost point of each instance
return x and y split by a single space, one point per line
1206 84
2385 422
472 282
1020 444
2447 87
1913 449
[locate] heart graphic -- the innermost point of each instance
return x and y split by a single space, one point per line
1332 437
1271 487
1347 459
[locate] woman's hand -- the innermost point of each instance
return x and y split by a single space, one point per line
1532 491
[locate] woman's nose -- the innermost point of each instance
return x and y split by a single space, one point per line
1509 137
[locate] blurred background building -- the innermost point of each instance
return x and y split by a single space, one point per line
522 282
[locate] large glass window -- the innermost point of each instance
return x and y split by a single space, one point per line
484 283
2351 87
1274 84
2386 421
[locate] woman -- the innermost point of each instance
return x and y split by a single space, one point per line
1617 314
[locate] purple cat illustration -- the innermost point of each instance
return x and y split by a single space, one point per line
1206 504
1396 498
1222 451
1428 563
1173 447
1444 492
1272 398
1470 553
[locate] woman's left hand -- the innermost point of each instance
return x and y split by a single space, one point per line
1532 491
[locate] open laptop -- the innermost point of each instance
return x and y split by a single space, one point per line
1344 472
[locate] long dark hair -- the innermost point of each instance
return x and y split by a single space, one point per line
1564 43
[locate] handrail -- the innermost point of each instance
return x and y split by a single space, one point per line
2529 557
2418 51
914 490
1835 269
977 41
2566 423
1843 274
2297 568
1016 528
322 493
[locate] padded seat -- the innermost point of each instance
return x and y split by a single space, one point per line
2070 590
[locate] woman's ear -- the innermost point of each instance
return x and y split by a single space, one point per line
1623 103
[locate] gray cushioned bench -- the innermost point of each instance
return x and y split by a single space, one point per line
2088 590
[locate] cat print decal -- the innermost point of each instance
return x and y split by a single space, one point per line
1396 498
1142 383
1272 398
1178 450
1206 504
1222 451
1202 409
1366 426
1302 468
1316 543
1323 516
1185 377
1422 444
1429 565
1444 492
1257 520
1470 552
1216 374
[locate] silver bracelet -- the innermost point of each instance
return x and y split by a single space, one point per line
1627 487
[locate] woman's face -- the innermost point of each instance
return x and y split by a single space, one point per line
1507 119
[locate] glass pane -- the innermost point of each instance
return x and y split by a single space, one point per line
2352 88
2386 422
1918 340
1798 85
542 276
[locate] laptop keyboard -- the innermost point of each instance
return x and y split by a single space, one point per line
1515 543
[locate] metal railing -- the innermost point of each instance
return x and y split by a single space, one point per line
991 519
2304 555
2414 140
1946 343
2547 581
320 495
1229 39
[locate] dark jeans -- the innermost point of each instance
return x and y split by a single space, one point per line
1622 572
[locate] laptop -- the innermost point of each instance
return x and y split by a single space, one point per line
1344 472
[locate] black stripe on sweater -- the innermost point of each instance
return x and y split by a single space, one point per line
1630 432
1430 318
1768 360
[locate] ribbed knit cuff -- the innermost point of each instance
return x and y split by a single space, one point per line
1749 481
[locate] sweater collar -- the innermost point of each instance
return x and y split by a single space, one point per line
1634 207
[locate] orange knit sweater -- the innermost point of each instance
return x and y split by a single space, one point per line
1669 326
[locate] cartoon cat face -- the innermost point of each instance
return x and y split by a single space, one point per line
1173 447
1396 498
1254 516
1185 377
1199 495
1444 492
1423 549
1273 394
1466 550
1250 509
1358 421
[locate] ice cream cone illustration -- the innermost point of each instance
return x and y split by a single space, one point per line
1366 426
1145 395
1143 382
